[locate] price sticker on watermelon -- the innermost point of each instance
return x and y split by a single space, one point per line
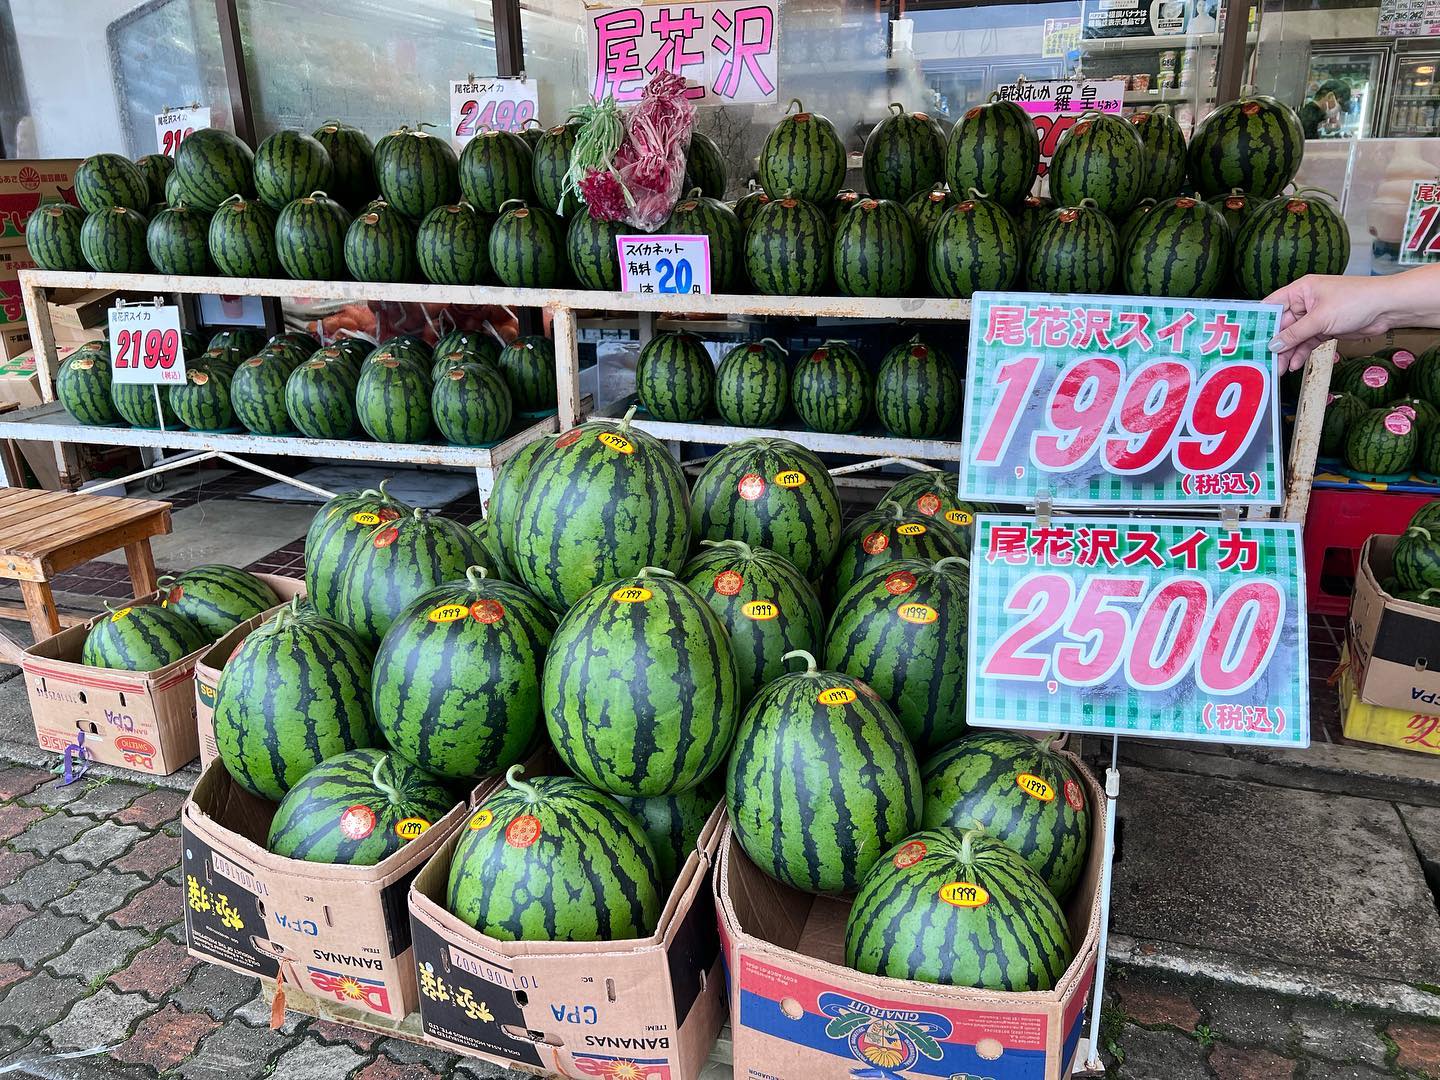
145 344
1159 627
1422 225
1114 401
175 125
490 104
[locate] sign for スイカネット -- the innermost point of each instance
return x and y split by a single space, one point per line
1154 627
1422 225
662 263
1117 401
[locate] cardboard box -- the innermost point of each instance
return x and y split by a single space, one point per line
653 1005
28 184
14 341
1394 644
337 933
788 982
140 720
1399 728
13 258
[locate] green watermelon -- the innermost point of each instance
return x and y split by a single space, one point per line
904 155
494 562
295 693
1253 143
528 365
821 780
592 253
112 241
704 166
1372 380
52 236
1416 558
357 809
392 401
352 157
552 859
177 241
578 523
925 210
471 405
290 165
135 402
879 537
697 215
242 239
752 384
356 349
1100 158
641 687
1033 210
675 377
380 244
673 823
202 401
1383 442
845 200
958 908
527 246
495 168
764 603
1428 456
1425 415
339 529
1074 250
934 494
106 180
511 480
144 637
748 205
245 341
974 247
1164 143
1286 239
1235 207
1131 222
157 170
320 399
210 166
457 676
995 149
1180 249
416 172
477 346
217 598
874 250
831 388
550 161
310 238
82 385
174 196
917 391
1341 411
803 158
409 349
257 393
787 249
773 494
452 245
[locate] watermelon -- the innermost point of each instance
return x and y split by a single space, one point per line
82 385
112 241
995 149
495 168
320 399
416 172
675 377
831 388
925 210
1032 211
157 170
590 248
310 238
245 341
355 348
471 405
174 196
202 401
752 384
697 215
144 637
673 823
874 250
177 241
845 200
704 166
476 346
821 780
1425 415
339 529
1383 442
494 561
452 245
210 166
1428 456
1372 380
380 244
1100 158
917 391
295 693
528 365
1181 248
106 180
552 859
773 494
527 246
257 393
409 349
748 205
290 165
511 480
1423 376
958 908
879 537
242 239
456 684
1021 792
1253 143
1164 143
934 494
352 157
1416 558
1074 250
217 598
578 523
550 161
392 401
135 402
803 158
1341 412
787 248
52 236
1286 239
974 247
1235 207
641 687
1131 222
357 809
904 155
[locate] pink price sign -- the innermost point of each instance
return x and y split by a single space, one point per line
1056 107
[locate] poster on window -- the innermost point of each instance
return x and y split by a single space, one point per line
729 52
1409 18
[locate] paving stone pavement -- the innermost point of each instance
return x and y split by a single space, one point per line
92 958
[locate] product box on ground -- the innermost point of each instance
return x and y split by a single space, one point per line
647 1007
207 668
798 1013
1394 643
26 184
141 720
1401 728
14 257
337 933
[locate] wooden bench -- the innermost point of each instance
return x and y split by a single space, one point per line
43 533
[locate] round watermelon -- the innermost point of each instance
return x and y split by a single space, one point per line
1164 143
136 404
882 536
202 401
752 384
995 149
337 532
1254 144
673 823
527 247
528 366
52 236
352 156
143 637
748 205
974 246
1073 250
392 400
112 241
831 388
471 405
704 166
1102 159
380 244
697 215
495 167
874 251
242 239
675 377
289 165
218 598
320 399
494 562
904 154
416 172
788 248
310 238
550 162
917 391
511 480
803 157
591 252
82 386
1180 249
257 392
178 241
1288 238
210 166
157 170
1383 442
106 180
452 245
934 494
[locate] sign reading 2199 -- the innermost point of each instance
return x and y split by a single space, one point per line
1118 401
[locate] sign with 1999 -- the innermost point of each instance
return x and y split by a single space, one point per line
1160 627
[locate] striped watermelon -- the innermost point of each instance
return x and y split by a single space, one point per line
641 688
310 238
1101 158
1286 239
135 402
697 215
1164 143
675 377
409 349
210 166
457 676
112 241
1416 558
528 365
157 170
673 823
704 166
1253 143
82 385
1341 412
1033 210
934 494
392 401
352 157
974 247
357 809
144 637
1074 250
803 158
495 168
527 247
511 480
380 244
257 393
1383 442
472 405
1131 222
338 530
247 341
995 149
874 250
550 161
178 241
552 859
917 391
773 494
904 155
452 245
1181 248
52 236
821 780
787 249
290 165
1236 207
202 401
575 525
242 239
590 248
845 200
1022 793
925 210
831 388
476 346
765 604
1425 415
958 908
217 598
881 536
295 693
748 205
416 172
106 180
473 351
355 348
752 384
320 399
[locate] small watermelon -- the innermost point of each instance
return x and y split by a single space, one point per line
82 386
675 377
752 384
202 401
917 391
471 405
1416 558
831 388
144 637
904 154
320 399
1383 442
1341 412
136 404
218 598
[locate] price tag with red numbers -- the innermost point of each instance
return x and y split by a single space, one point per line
1159 627
145 344
174 125
1117 401
491 104
1422 225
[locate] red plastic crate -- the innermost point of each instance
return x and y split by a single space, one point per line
1339 521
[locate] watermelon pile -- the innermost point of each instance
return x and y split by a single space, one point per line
1382 420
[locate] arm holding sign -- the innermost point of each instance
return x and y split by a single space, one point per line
1319 307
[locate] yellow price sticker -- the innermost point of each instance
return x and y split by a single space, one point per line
631 594
116 616
791 478
835 696
910 528
482 819
761 610
365 517
618 443
959 517
449 613
964 894
1035 786
919 614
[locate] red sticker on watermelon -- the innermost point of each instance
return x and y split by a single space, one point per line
175 594
570 438
1074 796
728 582
909 854
487 611
1397 423
386 537
751 486
1402 358
900 583
357 822
1375 376
875 543
523 831
928 504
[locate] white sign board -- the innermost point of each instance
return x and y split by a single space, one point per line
173 125
496 104
145 345
660 263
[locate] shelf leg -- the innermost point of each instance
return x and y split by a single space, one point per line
484 485
567 368
1305 443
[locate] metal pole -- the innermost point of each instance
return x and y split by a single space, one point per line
237 78
1107 873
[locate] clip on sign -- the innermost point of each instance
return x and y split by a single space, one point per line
660 263
1422 225
1056 107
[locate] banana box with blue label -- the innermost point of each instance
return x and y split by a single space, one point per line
1405 729
1394 643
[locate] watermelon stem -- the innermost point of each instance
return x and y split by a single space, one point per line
952 559
1421 530
897 107
624 424
811 666
512 202
796 105
1298 191
745 550
654 571
771 341
390 791
975 193
475 575
512 777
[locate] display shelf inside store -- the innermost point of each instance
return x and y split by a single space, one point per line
1158 42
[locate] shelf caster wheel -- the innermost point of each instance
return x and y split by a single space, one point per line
155 483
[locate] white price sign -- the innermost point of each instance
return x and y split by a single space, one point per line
496 104
145 344
173 125
661 263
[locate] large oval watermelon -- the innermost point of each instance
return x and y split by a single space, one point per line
242 239
975 246
1180 249
803 157
935 494
52 236
904 154
1100 158
675 377
511 480
787 248
310 238
831 388
218 598
416 172
882 536
995 149
917 391
290 165
143 637
1254 144
752 384
1285 240
874 250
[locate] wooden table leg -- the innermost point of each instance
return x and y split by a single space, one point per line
142 567
40 602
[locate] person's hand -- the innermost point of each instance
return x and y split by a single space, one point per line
1319 307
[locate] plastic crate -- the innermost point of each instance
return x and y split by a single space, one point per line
1338 523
